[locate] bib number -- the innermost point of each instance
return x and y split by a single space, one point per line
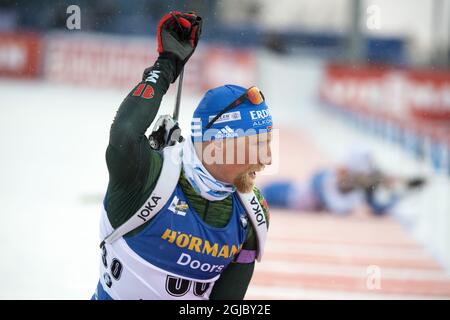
178 287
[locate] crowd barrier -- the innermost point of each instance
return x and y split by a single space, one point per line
20 54
98 60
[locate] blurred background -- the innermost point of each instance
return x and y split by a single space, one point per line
336 74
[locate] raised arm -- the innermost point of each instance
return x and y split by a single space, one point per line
128 148
129 155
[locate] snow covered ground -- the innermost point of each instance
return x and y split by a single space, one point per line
53 174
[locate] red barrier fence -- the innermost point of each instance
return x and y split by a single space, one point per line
116 61
429 94
407 107
96 60
20 54
419 93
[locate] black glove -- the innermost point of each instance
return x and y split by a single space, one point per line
178 35
166 132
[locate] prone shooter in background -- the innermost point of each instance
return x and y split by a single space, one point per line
342 189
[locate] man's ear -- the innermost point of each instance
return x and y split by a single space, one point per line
212 152
219 150
219 145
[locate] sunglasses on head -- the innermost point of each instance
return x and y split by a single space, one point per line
253 94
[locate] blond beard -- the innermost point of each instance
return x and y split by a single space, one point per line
243 182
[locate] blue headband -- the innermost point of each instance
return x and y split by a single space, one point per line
244 120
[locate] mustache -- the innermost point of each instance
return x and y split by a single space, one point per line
256 168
